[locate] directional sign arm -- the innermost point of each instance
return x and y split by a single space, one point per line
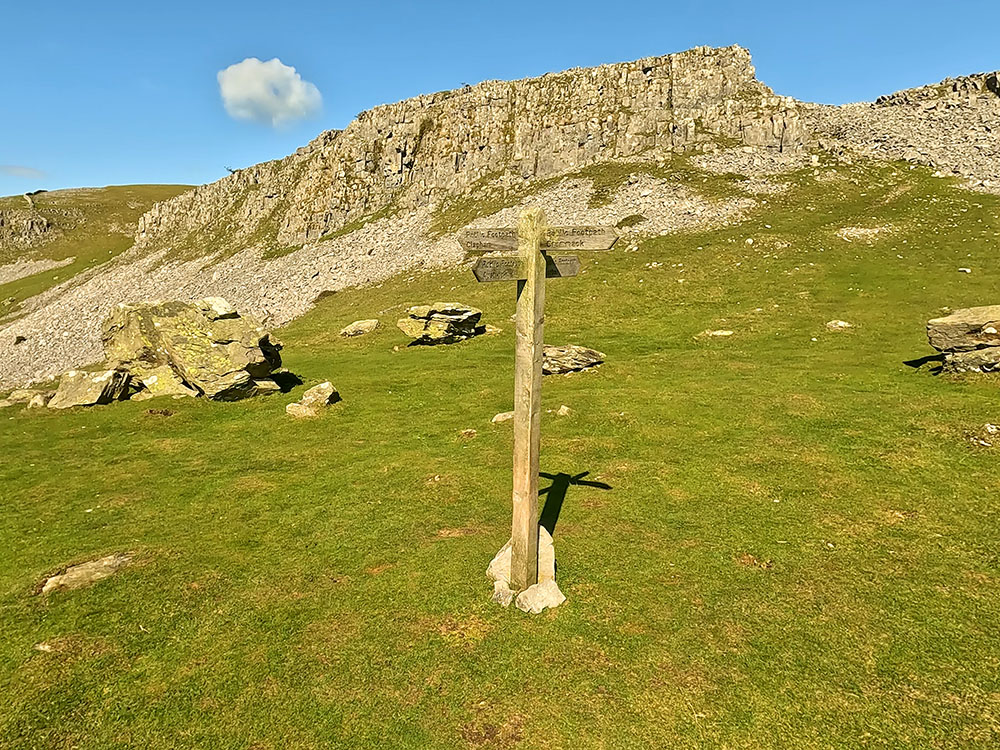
556 238
511 267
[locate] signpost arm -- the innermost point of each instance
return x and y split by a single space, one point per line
527 399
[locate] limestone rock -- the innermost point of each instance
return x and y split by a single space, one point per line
29 396
560 359
498 571
439 145
85 574
965 330
979 360
504 416
162 381
265 387
359 328
40 400
79 388
838 325
441 323
314 401
207 343
536 599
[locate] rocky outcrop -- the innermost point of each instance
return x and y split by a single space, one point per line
441 323
953 126
419 151
969 339
204 346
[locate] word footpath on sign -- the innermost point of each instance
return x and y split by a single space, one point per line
530 267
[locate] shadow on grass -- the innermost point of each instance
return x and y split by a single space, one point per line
555 495
286 380
921 361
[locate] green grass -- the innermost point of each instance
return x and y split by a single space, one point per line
100 224
798 549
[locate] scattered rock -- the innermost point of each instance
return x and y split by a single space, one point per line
207 344
980 360
838 325
441 323
79 576
40 400
314 401
28 395
468 434
721 333
571 358
504 416
265 387
498 571
536 599
491 330
965 270
79 388
360 328
563 411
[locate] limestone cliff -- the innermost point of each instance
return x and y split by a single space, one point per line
416 152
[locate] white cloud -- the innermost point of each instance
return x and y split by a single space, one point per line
269 92
16 170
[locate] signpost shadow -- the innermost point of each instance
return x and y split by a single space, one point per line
555 495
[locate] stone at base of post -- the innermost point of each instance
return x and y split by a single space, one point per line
543 595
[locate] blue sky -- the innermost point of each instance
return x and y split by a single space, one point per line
112 92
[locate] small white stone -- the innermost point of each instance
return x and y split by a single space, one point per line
536 599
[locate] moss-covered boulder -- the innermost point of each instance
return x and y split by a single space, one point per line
441 323
207 345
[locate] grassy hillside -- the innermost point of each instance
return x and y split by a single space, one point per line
91 225
798 547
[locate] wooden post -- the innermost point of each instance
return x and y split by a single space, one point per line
530 267
528 399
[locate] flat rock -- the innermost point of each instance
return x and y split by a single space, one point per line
571 358
838 325
965 330
359 328
314 401
79 388
504 416
84 574
441 323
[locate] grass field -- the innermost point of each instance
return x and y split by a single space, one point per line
798 548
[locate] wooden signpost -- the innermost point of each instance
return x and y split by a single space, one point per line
530 267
